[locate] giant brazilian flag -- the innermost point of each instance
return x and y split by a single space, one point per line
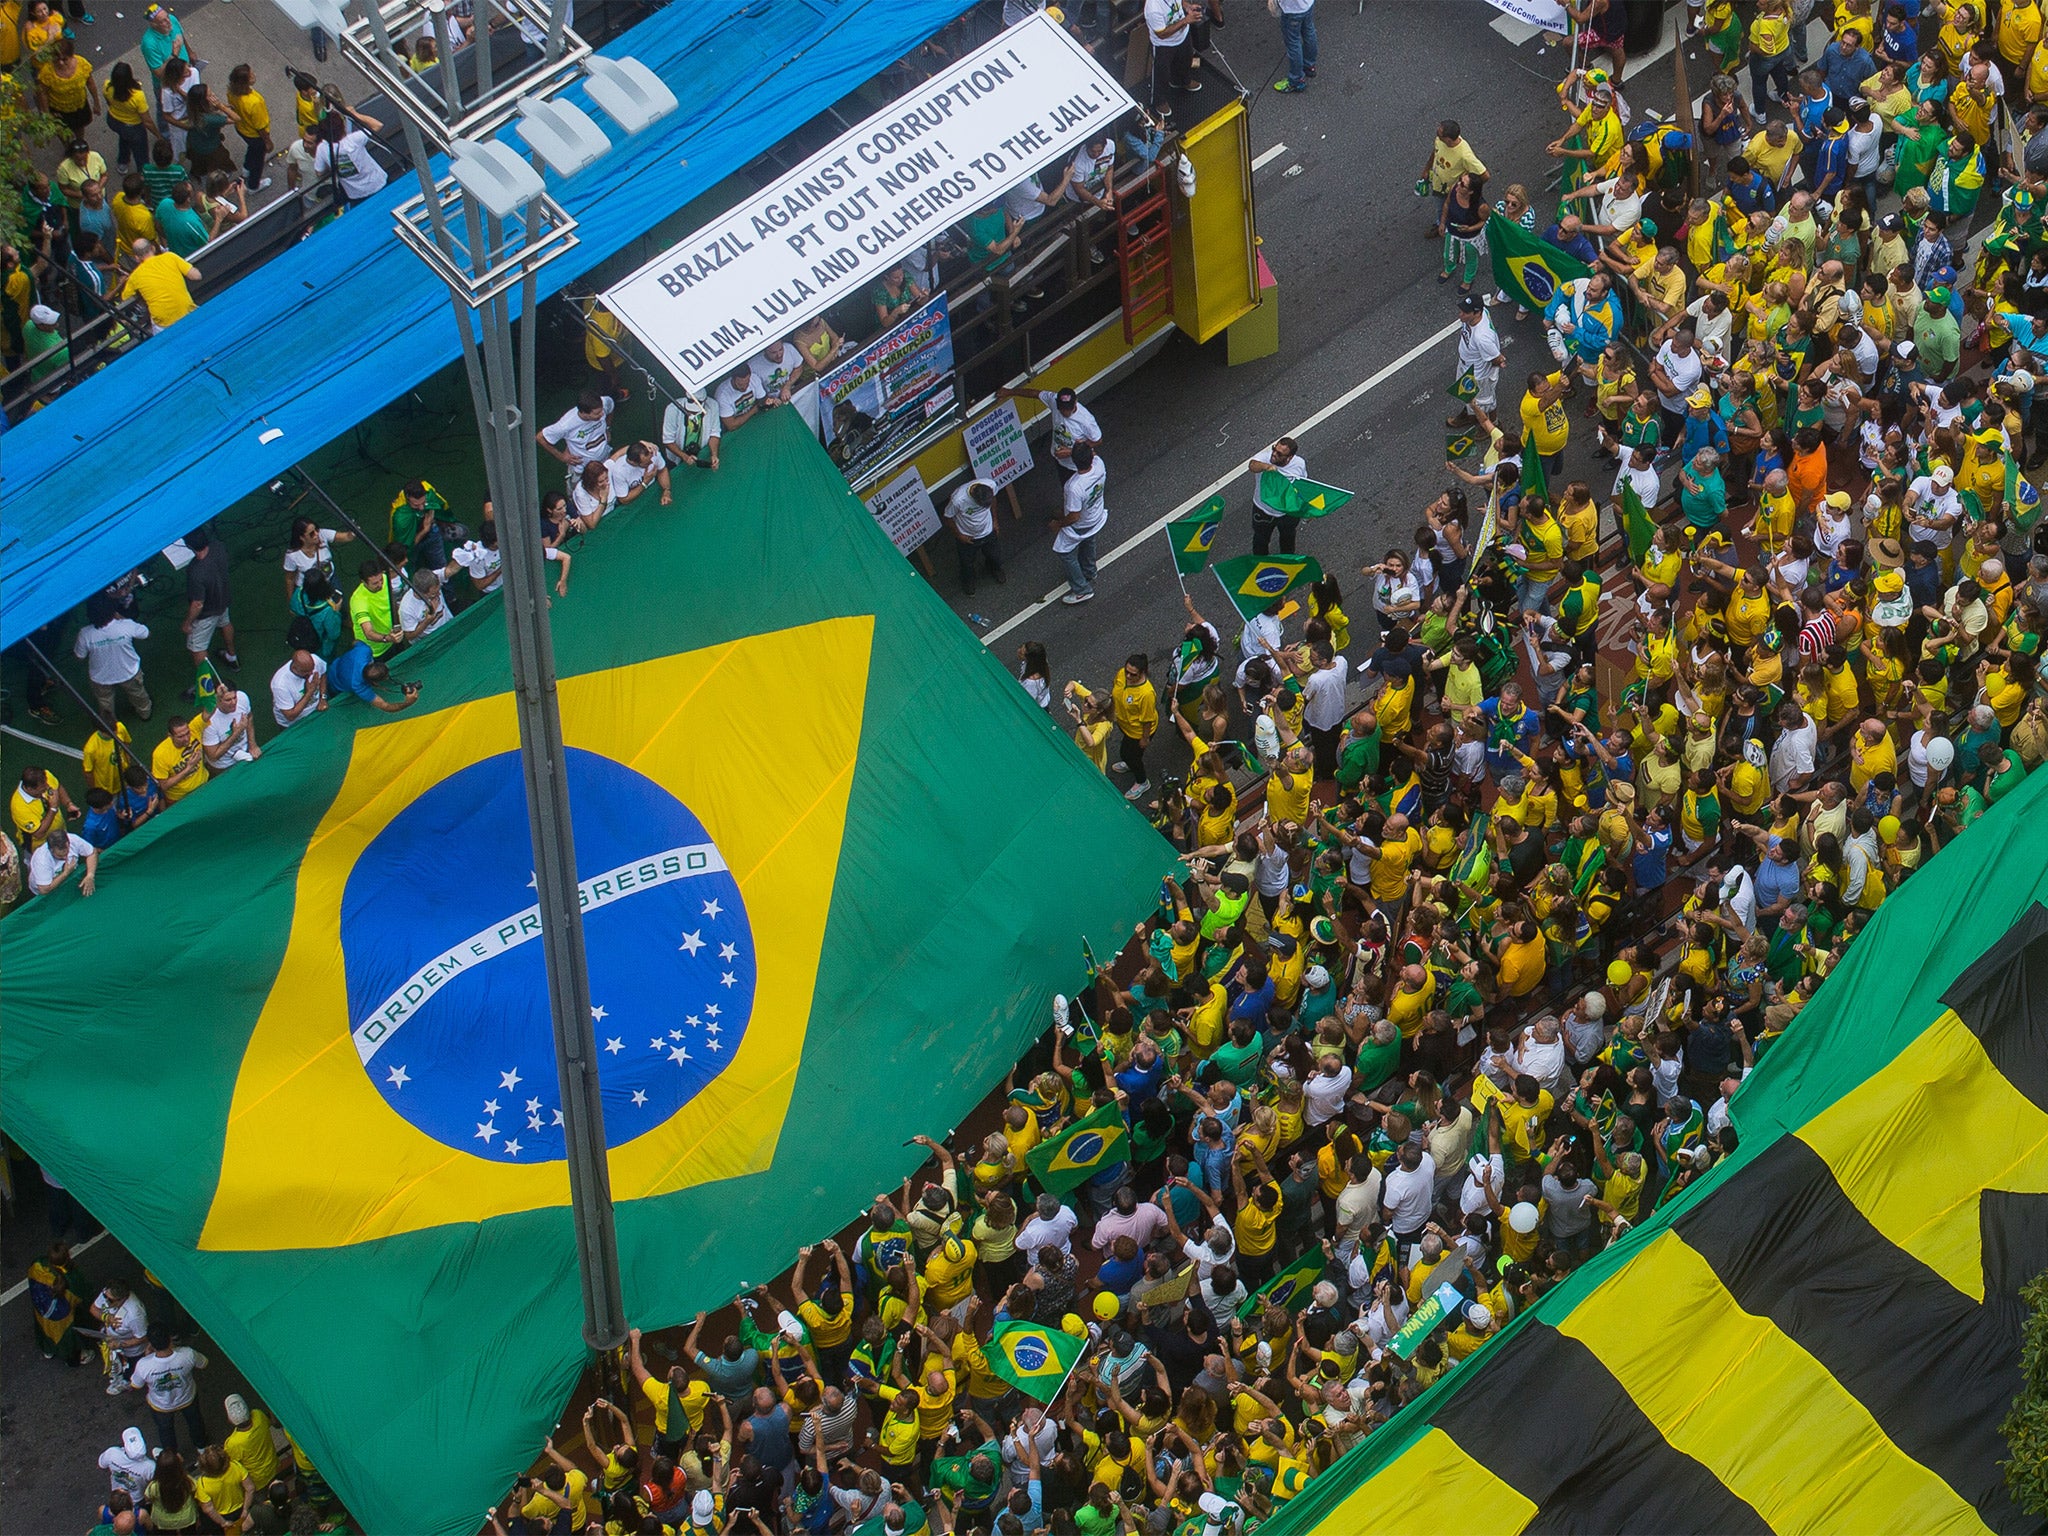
1824 1333
295 1051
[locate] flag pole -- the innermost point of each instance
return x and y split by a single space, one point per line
1174 556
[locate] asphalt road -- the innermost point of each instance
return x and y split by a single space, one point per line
1342 233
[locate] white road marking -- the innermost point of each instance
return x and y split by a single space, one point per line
20 1288
1267 157
1516 32
1356 392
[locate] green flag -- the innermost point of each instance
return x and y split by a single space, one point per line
358 1153
1528 269
1533 482
1635 517
1253 581
1090 1145
1291 1288
1299 498
1034 1359
1192 538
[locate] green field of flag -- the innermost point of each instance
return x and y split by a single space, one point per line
1192 539
1636 519
1291 1288
1032 1358
1253 581
354 1177
1299 498
1087 1147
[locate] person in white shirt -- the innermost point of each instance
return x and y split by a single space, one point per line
1051 1226
577 437
486 568
129 1466
775 372
970 512
689 433
1933 508
635 467
1324 1093
124 1330
739 398
311 549
1409 1194
298 689
591 497
1272 512
56 855
1479 355
169 1377
1072 422
1090 175
345 151
1358 1203
230 733
423 609
107 647
1084 512
1323 707
1539 1052
1792 754
1677 369
1172 52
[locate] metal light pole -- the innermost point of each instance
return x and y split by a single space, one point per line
487 228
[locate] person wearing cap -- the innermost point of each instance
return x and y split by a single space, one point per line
1072 422
249 1440
43 343
1479 359
1933 508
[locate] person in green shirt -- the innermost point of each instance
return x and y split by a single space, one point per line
992 236
43 342
415 524
1701 491
1240 1057
369 609
1937 339
1378 1057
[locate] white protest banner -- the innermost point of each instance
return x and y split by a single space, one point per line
904 509
996 445
843 217
1545 15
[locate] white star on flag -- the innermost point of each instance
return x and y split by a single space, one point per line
657 1045
692 941
712 1009
713 1043
485 1132
533 1106
639 1097
712 908
509 1080
558 1117
512 1147
615 1045
727 979
693 1021
399 1077
728 951
533 1122
490 1106
675 1034
679 1055
597 1015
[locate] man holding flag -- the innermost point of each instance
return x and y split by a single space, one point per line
1269 511
1479 360
1583 316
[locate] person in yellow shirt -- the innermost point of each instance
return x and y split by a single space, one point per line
948 1275
134 220
1870 754
1518 959
252 122
1413 996
249 1441
158 278
1135 707
1771 151
828 1313
678 1401
1092 724
1546 424
222 1487
563 1488
1257 1225
933 1395
2005 686
179 762
1288 787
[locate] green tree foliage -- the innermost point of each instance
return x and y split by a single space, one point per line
2026 1427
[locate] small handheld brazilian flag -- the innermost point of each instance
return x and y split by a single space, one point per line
1291 1288
1300 498
1192 539
1253 581
1089 1146
1034 1359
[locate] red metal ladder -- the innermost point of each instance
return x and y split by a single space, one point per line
1144 252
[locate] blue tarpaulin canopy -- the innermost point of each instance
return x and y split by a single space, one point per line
349 320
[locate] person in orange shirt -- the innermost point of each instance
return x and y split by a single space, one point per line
1807 474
